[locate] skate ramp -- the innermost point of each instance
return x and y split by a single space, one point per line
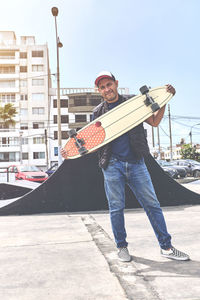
77 185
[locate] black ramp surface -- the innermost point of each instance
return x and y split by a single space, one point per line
77 185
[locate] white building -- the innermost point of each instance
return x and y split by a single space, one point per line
25 82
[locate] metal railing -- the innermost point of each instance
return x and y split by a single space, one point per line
6 176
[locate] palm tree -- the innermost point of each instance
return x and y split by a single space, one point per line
7 114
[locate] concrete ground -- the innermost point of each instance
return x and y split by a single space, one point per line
73 257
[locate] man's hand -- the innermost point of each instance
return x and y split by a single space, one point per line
63 153
170 89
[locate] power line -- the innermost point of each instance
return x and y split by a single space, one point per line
164 131
182 117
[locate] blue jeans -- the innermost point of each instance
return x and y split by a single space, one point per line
136 175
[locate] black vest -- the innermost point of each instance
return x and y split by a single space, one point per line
137 136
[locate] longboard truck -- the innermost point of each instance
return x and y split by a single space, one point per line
149 100
78 142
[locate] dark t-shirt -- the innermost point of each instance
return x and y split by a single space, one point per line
121 148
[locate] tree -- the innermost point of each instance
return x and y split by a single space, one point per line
7 114
189 152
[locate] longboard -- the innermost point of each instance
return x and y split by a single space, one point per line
116 122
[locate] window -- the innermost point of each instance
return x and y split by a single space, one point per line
23 83
55 151
7 98
38 140
24 126
37 68
7 54
38 125
13 141
38 155
80 101
7 70
7 83
94 101
80 118
23 55
38 96
9 141
23 69
64 119
24 141
24 155
37 82
37 54
23 111
9 156
24 97
38 110
63 103
64 135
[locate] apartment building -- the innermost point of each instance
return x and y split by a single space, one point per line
24 82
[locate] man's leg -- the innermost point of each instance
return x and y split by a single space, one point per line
114 183
140 183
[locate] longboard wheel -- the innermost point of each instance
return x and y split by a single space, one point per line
82 151
144 90
72 133
155 107
98 124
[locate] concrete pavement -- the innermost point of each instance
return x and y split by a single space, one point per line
73 257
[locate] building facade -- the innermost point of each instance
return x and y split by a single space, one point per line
24 82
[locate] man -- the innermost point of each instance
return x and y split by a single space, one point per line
122 162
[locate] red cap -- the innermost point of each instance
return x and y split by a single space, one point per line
104 74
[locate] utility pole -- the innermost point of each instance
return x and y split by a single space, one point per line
190 134
153 140
20 146
46 145
158 135
170 133
54 11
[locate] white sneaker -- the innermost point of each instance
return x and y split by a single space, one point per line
173 253
124 255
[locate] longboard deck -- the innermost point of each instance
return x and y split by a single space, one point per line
116 122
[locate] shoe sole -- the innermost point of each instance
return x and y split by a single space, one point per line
175 258
125 260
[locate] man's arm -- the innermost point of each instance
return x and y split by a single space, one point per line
156 118
63 153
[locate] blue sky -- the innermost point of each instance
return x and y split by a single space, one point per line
150 42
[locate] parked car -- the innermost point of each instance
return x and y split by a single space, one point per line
192 161
192 168
181 171
28 172
172 172
52 169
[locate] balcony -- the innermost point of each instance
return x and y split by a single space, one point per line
77 125
9 76
7 90
9 60
83 102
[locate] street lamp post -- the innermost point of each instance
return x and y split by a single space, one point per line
54 11
191 132
20 146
